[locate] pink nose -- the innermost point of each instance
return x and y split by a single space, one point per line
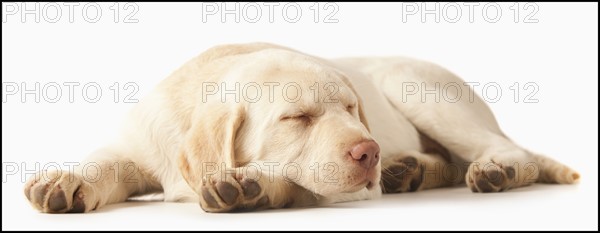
366 153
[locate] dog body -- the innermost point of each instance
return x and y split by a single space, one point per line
257 126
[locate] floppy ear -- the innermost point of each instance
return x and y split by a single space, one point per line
209 143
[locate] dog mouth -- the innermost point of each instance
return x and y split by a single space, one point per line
370 185
368 179
367 183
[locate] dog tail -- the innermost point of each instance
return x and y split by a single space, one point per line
554 172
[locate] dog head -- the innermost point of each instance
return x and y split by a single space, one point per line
291 115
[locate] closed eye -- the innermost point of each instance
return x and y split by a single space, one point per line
302 117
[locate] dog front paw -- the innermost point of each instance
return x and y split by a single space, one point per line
60 192
232 193
402 174
490 176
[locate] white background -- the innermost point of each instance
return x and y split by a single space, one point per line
559 54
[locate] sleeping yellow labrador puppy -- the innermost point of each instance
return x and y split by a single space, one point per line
257 126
